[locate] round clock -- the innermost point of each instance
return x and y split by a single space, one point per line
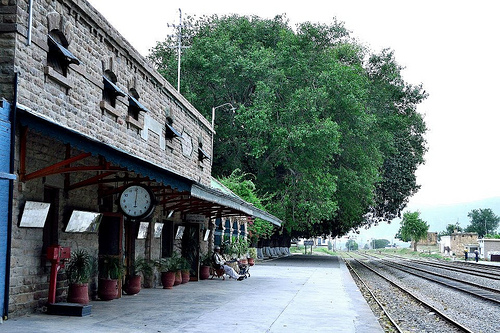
137 201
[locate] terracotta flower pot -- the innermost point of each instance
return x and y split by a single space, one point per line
204 272
167 279
132 285
78 293
108 289
185 276
178 278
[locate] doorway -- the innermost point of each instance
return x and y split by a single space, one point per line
111 240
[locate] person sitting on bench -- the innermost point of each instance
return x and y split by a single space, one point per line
219 261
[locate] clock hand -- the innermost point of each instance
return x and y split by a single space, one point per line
135 202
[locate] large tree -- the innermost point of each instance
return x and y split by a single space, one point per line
329 130
413 228
482 221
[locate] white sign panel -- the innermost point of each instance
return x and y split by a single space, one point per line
81 221
34 214
143 230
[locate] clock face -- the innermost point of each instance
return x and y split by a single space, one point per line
136 201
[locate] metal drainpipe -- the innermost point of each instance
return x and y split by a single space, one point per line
30 22
11 197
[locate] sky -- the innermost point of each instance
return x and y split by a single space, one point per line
451 47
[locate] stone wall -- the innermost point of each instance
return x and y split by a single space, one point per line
76 100
30 271
460 240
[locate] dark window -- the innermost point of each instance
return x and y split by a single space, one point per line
167 239
51 227
59 57
134 106
218 232
202 155
109 236
111 90
170 131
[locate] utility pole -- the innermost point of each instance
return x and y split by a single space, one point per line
179 46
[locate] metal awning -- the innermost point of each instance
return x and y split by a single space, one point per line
108 84
70 58
183 194
116 156
231 201
133 101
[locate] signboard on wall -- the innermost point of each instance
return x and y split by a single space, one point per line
195 218
143 230
81 221
34 214
158 229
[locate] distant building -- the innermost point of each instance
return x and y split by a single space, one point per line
430 240
489 249
461 241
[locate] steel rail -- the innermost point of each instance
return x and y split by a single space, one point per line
437 311
384 310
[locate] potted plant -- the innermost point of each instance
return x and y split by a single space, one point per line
185 268
78 271
177 264
241 248
205 262
110 272
140 266
252 254
167 268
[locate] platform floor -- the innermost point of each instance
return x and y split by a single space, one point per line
292 294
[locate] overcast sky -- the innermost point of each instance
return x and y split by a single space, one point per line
451 47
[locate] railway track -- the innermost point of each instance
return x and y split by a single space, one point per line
489 272
447 323
474 289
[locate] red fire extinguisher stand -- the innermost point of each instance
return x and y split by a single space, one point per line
57 256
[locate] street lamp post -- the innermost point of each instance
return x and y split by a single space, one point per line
213 123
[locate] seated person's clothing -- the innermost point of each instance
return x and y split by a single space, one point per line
220 262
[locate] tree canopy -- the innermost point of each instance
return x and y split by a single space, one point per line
328 129
450 229
413 228
482 221
241 184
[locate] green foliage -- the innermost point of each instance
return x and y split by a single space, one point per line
252 252
111 268
330 131
351 245
380 243
450 229
482 221
241 185
142 266
235 247
79 267
492 236
206 259
413 228
170 264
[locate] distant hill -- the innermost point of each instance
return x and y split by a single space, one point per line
438 217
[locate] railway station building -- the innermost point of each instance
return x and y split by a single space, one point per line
98 152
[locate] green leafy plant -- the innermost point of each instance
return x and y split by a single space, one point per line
183 264
79 268
241 247
252 252
206 259
170 264
111 268
143 266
